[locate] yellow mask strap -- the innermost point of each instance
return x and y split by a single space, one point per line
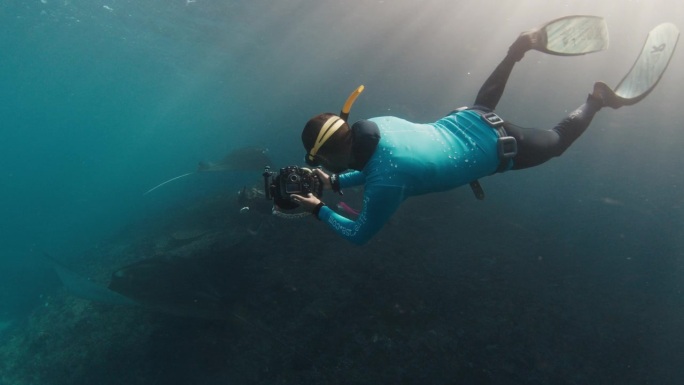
329 128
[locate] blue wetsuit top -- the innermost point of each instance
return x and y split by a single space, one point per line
413 159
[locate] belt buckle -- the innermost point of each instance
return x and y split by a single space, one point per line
507 146
493 119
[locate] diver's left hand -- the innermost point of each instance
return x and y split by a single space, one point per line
308 202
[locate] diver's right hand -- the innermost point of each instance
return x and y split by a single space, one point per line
325 178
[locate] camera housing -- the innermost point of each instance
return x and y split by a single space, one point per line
280 186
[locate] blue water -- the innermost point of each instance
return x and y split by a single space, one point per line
102 100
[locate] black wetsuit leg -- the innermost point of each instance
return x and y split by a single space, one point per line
492 89
536 146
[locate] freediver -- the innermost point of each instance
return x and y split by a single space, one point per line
395 159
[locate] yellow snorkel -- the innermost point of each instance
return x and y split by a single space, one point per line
333 124
344 114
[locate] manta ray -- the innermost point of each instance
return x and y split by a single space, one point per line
203 285
242 159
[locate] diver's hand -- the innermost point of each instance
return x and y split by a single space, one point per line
308 202
325 178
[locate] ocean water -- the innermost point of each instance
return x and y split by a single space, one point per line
568 273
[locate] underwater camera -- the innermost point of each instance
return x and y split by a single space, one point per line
290 180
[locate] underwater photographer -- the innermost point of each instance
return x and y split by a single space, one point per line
394 159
